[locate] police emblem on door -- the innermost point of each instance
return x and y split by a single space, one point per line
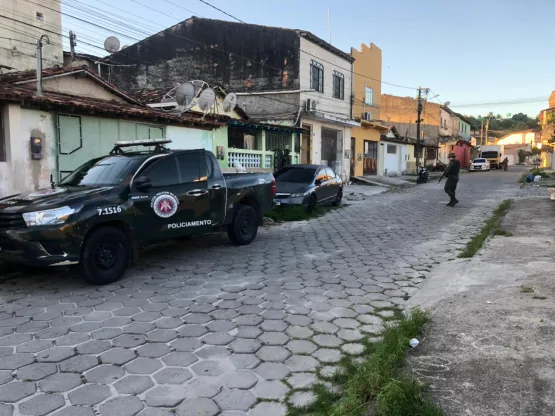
164 204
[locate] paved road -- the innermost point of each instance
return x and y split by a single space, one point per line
206 328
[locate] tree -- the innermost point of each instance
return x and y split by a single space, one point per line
521 156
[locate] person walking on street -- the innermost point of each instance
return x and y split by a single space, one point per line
452 174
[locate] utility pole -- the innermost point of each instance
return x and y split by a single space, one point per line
482 132
39 63
490 115
72 44
418 120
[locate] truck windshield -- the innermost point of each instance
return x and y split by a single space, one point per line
107 171
301 175
490 155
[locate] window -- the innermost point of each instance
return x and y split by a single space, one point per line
295 175
330 173
277 141
189 167
2 137
369 96
40 16
317 76
338 85
391 149
106 171
164 172
244 138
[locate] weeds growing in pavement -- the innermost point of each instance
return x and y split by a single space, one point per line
491 227
376 379
526 289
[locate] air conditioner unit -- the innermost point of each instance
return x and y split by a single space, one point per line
310 105
367 115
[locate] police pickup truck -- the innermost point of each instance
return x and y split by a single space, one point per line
100 214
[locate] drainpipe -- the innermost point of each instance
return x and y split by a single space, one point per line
39 63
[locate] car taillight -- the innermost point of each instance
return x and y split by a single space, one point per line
274 189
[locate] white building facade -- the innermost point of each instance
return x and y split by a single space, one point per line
325 85
24 23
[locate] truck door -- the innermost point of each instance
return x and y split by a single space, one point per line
171 197
217 190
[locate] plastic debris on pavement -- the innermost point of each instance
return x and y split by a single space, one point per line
414 342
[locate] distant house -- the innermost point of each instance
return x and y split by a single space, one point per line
455 136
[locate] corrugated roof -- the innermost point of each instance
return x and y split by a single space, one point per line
24 77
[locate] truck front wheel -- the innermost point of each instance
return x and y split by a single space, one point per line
106 255
244 227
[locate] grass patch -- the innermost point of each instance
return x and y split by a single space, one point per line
491 227
377 379
526 289
297 213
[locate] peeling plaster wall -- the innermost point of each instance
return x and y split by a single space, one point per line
167 57
20 173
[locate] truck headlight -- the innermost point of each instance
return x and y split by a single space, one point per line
48 217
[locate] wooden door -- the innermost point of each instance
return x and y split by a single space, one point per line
370 158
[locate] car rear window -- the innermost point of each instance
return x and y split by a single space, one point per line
301 175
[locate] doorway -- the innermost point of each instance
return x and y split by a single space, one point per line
305 145
370 158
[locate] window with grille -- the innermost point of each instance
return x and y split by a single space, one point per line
242 138
277 141
317 76
368 96
391 149
338 85
2 136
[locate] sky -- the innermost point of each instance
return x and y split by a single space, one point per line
484 52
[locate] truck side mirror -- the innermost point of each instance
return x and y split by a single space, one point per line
143 183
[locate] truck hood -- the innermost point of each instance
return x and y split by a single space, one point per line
50 198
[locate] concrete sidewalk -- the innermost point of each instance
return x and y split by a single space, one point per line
489 350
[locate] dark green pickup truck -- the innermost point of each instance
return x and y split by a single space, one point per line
104 211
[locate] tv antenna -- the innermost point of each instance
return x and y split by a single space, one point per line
230 101
206 99
111 44
184 96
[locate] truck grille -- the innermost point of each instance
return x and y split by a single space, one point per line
11 221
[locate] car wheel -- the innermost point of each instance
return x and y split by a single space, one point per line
338 198
244 226
105 256
312 202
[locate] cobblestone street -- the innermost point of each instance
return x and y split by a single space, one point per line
204 328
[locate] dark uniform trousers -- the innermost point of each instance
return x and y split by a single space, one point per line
451 186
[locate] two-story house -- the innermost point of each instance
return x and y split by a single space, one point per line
454 134
282 76
367 92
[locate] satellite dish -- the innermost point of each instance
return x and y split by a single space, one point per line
447 103
207 99
111 44
230 101
185 93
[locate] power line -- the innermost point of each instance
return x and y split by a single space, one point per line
308 53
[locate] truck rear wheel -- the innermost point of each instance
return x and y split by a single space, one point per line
244 227
106 255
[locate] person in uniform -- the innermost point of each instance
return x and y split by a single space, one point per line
452 174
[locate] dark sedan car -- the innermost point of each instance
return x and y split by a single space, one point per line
308 185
